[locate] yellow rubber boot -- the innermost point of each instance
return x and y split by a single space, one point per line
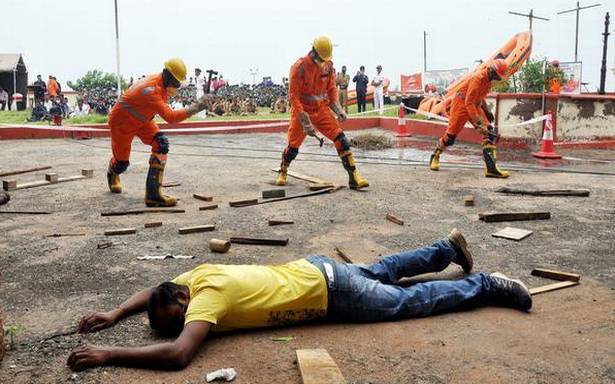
434 160
113 180
491 167
282 175
355 181
153 193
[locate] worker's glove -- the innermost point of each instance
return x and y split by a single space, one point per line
339 112
306 124
489 132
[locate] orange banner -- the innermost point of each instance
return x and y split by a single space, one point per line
411 83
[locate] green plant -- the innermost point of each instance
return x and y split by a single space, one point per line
12 331
96 79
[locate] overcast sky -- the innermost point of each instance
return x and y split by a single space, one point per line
69 37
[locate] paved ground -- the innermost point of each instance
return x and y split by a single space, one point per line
48 283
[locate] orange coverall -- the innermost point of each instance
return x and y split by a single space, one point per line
132 116
312 89
466 106
52 88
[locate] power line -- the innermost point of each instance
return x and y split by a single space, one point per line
576 35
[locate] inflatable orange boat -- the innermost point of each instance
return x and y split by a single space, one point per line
516 52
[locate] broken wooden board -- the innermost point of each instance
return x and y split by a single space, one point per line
10 185
27 212
552 287
513 216
255 241
307 178
65 234
171 184
202 197
343 255
308 194
511 233
153 224
280 222
273 193
318 187
141 211
208 207
197 229
12 173
243 203
468 200
394 219
317 367
545 192
121 231
556 275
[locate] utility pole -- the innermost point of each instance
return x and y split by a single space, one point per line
117 53
530 16
603 67
576 36
424 51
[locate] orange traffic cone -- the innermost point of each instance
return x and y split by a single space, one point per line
402 131
547 150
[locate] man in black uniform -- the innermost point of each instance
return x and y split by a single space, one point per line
361 79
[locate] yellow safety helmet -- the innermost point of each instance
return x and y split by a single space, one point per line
324 47
177 68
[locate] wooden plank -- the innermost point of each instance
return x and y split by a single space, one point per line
65 234
552 287
468 200
556 275
274 193
308 194
27 212
51 177
208 207
243 203
203 197
513 216
87 173
299 176
545 192
318 187
140 211
171 184
153 224
197 229
121 231
12 173
280 222
256 241
317 367
343 255
394 219
511 233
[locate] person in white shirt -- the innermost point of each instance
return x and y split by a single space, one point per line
378 83
80 109
48 103
199 83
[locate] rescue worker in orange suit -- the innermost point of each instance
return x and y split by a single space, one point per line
133 116
468 105
313 96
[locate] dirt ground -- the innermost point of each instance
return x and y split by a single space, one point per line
48 283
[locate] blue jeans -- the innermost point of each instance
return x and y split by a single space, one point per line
368 293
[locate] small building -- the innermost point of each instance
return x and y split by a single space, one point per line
13 75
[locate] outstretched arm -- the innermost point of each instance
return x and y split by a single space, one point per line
173 355
101 320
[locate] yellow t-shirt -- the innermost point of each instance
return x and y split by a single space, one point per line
250 296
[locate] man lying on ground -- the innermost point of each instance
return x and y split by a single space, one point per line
226 297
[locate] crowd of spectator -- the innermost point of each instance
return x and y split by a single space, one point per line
238 99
